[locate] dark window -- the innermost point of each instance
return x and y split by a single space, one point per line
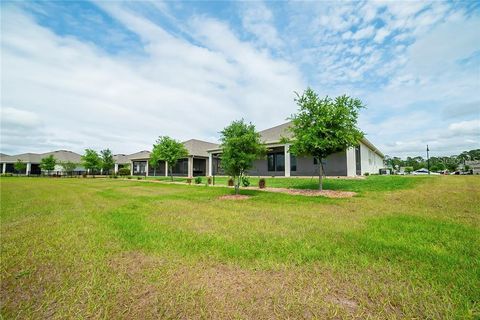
293 163
271 161
315 160
280 162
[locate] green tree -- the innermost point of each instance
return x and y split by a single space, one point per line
324 126
20 166
68 166
48 163
91 160
170 151
240 145
107 162
154 158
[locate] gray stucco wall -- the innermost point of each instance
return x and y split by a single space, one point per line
336 165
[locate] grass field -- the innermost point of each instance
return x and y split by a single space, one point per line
405 247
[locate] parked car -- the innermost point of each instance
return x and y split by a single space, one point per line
424 171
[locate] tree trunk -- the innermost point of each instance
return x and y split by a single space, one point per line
171 173
154 171
237 185
320 174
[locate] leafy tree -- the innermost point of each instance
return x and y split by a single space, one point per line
68 166
91 160
408 170
48 163
170 151
20 166
324 126
241 145
154 158
107 162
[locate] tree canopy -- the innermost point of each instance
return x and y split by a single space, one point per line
324 126
241 145
68 166
20 166
48 163
91 160
169 150
107 162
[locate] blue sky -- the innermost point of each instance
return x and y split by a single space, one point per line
119 74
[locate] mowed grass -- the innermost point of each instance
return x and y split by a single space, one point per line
367 184
105 248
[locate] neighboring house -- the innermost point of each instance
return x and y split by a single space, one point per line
33 160
365 158
196 164
474 166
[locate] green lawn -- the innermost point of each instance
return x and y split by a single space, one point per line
406 247
371 183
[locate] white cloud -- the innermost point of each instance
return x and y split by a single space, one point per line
93 99
258 20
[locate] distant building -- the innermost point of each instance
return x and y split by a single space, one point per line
474 166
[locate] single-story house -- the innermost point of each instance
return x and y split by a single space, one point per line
195 164
204 159
33 160
364 158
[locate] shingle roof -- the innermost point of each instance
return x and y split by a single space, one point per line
121 158
60 155
139 155
198 147
276 133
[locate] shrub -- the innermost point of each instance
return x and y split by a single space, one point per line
124 171
245 181
231 182
366 174
84 174
129 177
189 180
139 178
262 183
198 180
115 176
209 180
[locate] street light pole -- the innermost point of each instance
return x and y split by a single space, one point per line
428 161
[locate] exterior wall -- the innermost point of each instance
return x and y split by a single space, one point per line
334 165
371 162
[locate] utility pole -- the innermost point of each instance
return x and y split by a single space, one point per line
428 161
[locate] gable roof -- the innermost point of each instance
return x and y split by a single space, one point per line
276 133
60 155
198 147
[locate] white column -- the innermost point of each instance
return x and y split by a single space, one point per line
166 169
146 169
29 168
115 168
210 165
131 168
4 168
351 163
190 167
287 160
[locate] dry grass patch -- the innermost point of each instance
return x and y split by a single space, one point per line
234 197
313 193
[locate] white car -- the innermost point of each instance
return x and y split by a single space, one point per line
424 171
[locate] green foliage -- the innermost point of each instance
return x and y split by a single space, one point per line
154 158
198 180
245 181
91 160
48 163
124 171
107 163
324 126
240 146
169 150
68 166
20 166
408 169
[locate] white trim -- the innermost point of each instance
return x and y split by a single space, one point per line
287 160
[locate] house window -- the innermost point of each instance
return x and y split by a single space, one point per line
293 163
271 161
276 162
